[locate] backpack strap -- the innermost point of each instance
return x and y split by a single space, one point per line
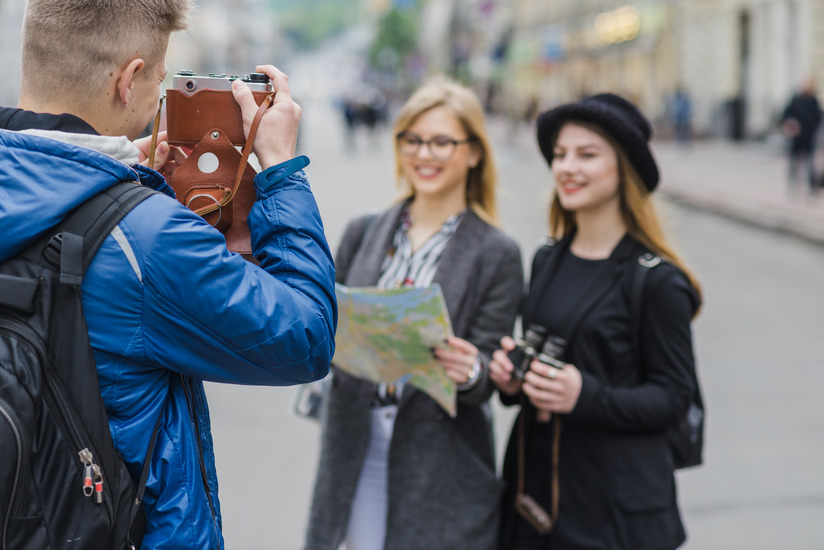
72 244
687 437
645 262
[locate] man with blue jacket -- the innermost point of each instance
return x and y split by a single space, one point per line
163 296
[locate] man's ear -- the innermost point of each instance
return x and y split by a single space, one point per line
128 75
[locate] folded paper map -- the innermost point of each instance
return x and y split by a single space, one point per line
387 335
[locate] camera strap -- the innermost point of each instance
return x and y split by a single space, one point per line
535 515
155 131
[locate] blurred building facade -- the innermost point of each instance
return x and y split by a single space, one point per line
738 60
11 36
225 36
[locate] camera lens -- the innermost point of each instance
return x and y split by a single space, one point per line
190 85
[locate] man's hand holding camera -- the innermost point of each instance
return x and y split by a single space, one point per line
277 134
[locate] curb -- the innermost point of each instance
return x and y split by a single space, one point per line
768 216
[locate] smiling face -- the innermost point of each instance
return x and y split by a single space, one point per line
585 166
437 175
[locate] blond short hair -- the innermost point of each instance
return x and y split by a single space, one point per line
70 47
464 105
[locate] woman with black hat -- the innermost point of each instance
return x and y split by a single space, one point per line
588 464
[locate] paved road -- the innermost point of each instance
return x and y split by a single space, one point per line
758 347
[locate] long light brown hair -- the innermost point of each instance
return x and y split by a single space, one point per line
637 210
464 105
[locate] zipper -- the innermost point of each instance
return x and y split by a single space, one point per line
57 403
187 392
22 460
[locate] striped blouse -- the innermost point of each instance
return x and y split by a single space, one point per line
405 268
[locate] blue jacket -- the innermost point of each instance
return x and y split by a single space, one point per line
164 297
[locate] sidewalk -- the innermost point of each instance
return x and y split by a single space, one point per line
747 182
743 181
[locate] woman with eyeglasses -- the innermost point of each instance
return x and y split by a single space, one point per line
395 470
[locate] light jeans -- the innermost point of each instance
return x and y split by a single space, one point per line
367 518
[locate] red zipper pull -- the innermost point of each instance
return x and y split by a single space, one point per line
98 484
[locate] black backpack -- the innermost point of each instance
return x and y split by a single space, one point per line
686 439
62 483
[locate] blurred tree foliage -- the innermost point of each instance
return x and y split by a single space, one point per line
307 23
396 38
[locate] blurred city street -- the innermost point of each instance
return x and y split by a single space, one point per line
757 342
756 246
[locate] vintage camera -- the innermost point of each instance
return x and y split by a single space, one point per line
527 349
189 82
216 180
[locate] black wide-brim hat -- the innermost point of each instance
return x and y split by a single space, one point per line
619 118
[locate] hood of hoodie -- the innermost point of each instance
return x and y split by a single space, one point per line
46 174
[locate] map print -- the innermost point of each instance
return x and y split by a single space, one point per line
387 335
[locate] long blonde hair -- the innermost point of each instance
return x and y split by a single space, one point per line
464 105
637 210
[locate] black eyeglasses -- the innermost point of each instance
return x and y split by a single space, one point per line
440 147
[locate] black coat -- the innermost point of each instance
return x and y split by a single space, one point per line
617 489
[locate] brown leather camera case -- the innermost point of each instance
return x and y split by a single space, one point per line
189 117
210 120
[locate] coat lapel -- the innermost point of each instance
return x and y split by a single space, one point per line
458 262
542 279
366 265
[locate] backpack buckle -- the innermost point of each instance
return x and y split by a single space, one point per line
649 260
51 252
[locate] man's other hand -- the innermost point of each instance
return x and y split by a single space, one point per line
167 158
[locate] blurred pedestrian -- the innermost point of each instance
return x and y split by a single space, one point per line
595 457
800 122
349 109
681 112
395 471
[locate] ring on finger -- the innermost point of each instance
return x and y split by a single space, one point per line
552 373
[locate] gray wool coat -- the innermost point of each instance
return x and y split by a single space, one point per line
443 490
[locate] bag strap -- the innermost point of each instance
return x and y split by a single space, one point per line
555 494
645 262
73 243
